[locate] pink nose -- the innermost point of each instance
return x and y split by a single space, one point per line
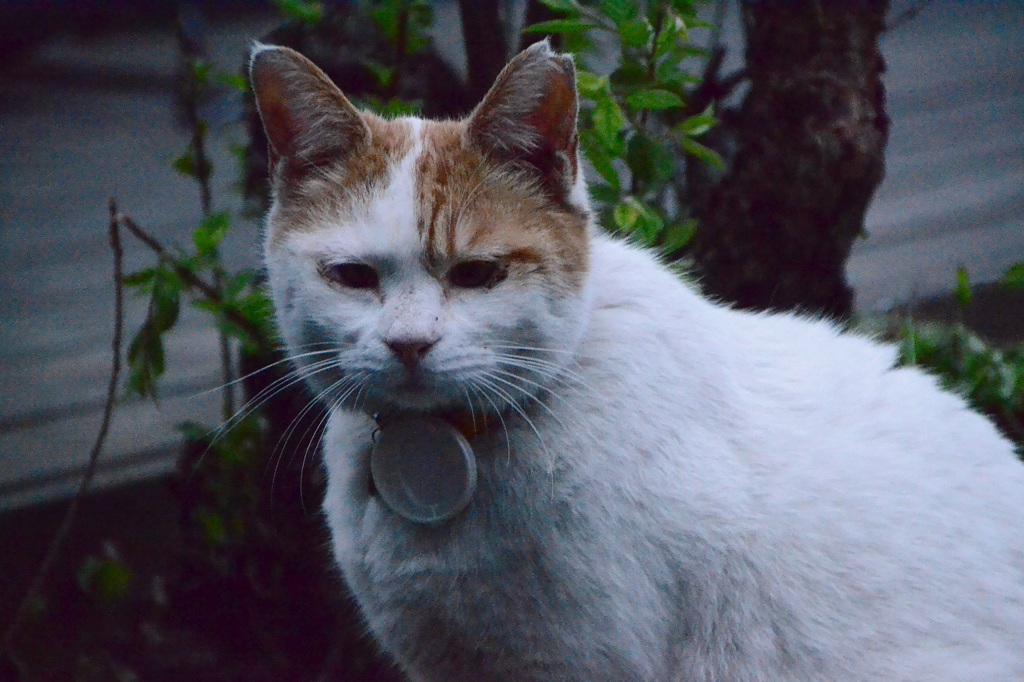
410 351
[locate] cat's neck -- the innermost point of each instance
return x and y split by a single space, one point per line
470 423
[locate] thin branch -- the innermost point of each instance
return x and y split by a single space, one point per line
57 543
209 291
907 15
714 87
193 51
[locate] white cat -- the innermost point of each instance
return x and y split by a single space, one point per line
666 489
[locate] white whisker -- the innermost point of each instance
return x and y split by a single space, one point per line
318 400
557 373
504 427
491 375
512 403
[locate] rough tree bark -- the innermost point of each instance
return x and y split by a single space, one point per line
486 49
777 230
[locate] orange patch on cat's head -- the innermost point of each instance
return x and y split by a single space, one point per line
504 184
471 205
337 186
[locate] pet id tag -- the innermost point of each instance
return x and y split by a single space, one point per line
423 468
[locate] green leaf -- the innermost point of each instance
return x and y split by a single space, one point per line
559 26
210 233
632 216
560 5
256 308
680 29
619 11
166 301
686 6
650 162
626 214
195 431
608 122
234 81
590 86
963 287
601 160
235 284
605 194
186 163
705 154
141 280
383 74
678 235
669 73
214 529
199 71
146 361
307 12
695 126
1014 277
106 578
637 33
670 38
630 75
654 99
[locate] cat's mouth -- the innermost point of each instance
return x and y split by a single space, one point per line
415 381
417 390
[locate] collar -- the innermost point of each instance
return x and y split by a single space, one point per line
469 424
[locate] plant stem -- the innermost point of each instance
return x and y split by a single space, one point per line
57 543
203 169
210 292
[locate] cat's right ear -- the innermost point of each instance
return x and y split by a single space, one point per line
529 117
307 119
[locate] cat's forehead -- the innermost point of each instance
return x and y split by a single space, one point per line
420 189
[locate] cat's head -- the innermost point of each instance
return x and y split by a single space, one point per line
426 265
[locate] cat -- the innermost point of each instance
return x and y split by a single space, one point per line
666 488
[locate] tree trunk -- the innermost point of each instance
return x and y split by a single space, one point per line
811 133
486 51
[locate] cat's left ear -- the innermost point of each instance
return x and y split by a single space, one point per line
529 118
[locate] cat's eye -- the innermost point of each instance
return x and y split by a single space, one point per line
476 274
351 275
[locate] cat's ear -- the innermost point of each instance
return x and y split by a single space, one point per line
529 117
306 117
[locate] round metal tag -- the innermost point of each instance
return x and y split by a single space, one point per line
423 468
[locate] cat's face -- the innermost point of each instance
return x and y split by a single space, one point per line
426 265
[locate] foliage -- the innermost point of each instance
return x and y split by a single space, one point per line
1014 277
237 304
990 378
304 11
105 577
227 467
635 125
403 24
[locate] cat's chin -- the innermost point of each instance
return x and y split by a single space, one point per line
410 398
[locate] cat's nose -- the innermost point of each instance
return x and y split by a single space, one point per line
410 351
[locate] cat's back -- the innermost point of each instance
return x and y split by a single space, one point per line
788 385
812 411
886 511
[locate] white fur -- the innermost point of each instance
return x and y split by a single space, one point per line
704 494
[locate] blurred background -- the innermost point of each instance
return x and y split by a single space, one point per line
91 108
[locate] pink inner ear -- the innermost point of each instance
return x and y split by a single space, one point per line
555 117
306 116
278 122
